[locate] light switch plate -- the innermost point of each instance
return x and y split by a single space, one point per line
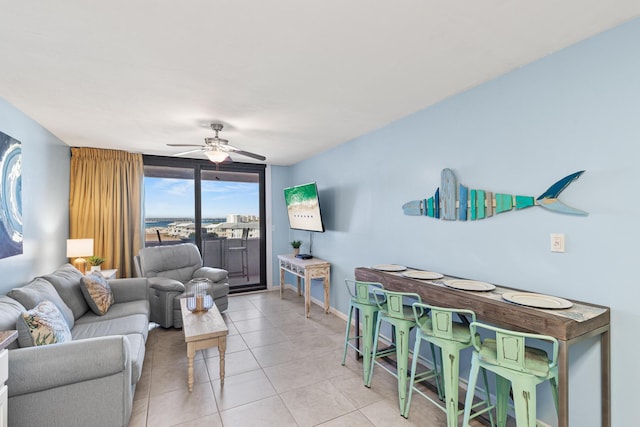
557 242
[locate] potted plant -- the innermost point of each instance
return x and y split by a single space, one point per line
296 246
95 262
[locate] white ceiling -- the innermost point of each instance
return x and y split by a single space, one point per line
287 78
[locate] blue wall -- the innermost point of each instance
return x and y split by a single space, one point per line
576 109
45 199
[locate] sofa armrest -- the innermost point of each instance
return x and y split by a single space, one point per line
165 284
35 369
126 290
215 274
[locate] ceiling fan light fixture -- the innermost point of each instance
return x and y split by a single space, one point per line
216 156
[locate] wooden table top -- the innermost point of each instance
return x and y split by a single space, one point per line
564 324
201 326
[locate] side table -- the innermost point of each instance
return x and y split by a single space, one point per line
307 269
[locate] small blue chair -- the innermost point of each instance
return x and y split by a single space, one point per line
363 300
517 366
436 326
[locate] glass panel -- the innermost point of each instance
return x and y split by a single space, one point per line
230 207
169 204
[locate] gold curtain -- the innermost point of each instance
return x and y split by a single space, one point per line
105 203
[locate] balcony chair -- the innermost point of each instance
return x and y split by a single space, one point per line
168 269
363 301
242 249
436 326
399 315
523 367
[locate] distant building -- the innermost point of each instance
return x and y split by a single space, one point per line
238 218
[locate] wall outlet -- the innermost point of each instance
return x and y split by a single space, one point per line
557 242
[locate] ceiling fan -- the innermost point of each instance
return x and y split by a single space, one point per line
217 149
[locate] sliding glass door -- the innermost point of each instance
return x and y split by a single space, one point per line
220 210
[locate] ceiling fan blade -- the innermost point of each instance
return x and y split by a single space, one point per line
185 145
248 154
189 152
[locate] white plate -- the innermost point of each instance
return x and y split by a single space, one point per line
469 285
423 275
389 267
536 300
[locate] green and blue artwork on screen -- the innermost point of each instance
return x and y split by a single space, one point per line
303 207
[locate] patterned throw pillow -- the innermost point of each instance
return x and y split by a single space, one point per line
42 325
97 292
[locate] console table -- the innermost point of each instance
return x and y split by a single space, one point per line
307 269
569 326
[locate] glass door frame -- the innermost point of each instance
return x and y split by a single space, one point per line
198 165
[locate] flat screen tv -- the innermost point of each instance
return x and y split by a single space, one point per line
303 207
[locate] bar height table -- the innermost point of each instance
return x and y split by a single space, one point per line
569 326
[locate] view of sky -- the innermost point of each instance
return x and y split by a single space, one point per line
174 198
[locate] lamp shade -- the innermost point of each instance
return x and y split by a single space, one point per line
216 156
79 247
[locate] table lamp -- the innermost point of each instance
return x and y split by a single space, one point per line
79 248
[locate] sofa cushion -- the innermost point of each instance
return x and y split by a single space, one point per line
122 309
66 280
39 290
135 323
42 325
10 311
97 292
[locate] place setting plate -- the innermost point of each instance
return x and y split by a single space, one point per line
422 275
536 300
469 285
389 267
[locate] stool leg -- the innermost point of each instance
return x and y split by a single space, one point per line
346 335
374 351
524 400
370 316
402 361
414 367
502 396
473 378
451 373
487 396
554 391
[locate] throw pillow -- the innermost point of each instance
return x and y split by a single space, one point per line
97 292
39 290
42 325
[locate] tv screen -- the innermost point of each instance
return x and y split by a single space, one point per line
303 207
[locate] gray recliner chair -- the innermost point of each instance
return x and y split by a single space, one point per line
168 268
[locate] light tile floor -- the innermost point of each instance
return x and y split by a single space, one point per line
282 369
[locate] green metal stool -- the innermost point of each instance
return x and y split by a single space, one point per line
514 363
395 312
364 301
437 327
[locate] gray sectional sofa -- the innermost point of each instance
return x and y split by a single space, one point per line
90 380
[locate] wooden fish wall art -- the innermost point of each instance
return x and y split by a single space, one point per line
451 202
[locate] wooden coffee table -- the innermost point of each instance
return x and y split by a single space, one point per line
203 330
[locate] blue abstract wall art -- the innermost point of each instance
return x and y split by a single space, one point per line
10 196
451 202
